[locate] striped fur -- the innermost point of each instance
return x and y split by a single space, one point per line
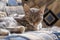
31 19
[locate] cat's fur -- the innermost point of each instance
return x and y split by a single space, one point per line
31 18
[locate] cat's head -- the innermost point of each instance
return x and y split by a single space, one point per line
33 15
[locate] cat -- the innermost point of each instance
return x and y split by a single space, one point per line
31 19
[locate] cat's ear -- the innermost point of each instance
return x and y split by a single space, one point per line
26 8
42 9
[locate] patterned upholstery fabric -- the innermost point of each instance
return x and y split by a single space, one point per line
58 15
50 18
36 35
12 3
54 16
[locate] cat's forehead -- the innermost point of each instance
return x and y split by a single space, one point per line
34 10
